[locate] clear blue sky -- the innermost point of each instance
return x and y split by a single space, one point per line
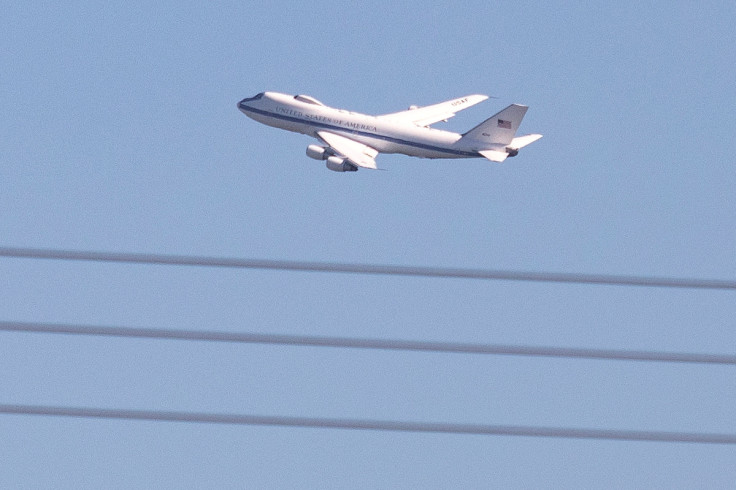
119 132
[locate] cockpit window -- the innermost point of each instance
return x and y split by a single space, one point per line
255 97
308 99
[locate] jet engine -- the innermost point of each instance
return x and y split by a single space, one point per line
317 152
337 164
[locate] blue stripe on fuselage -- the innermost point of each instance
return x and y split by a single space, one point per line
390 139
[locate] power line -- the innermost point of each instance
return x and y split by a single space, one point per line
363 343
373 269
377 425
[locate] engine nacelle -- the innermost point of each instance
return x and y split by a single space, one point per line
317 152
337 164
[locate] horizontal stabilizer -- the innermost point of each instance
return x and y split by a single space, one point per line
494 155
522 141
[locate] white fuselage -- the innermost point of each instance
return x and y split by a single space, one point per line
303 115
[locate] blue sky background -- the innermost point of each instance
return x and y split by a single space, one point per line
119 132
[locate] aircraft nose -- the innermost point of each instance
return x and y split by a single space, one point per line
248 102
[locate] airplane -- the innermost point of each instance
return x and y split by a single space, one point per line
351 140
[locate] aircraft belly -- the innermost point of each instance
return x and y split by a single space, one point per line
386 145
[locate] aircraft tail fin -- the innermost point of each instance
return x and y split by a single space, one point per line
495 138
498 130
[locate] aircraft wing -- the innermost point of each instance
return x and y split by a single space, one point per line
424 116
358 153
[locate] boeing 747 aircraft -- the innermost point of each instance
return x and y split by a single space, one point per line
351 140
